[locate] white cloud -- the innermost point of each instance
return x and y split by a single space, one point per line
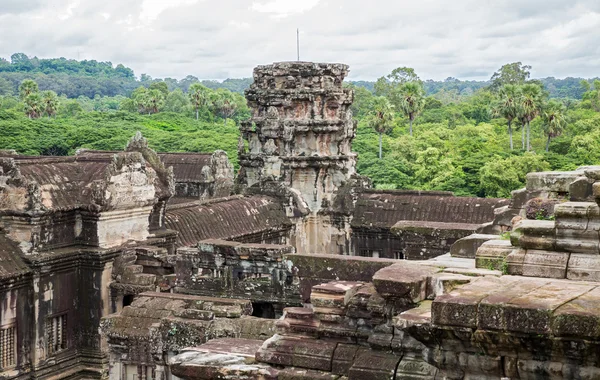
211 39
284 7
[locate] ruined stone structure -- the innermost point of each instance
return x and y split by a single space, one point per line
155 252
300 137
197 175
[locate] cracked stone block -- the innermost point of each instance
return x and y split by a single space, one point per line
579 317
531 313
373 365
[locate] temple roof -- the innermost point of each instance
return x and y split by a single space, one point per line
383 209
187 167
225 218
65 182
11 263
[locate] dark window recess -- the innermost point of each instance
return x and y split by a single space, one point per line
8 347
56 333
365 253
368 253
128 299
263 310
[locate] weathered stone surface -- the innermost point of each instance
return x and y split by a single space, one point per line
531 313
579 317
459 308
373 365
583 267
343 358
580 190
297 352
492 309
534 234
535 263
557 182
468 246
403 280
493 253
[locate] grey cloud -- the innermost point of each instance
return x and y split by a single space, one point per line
467 39
18 6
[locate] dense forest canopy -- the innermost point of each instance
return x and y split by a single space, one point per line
470 137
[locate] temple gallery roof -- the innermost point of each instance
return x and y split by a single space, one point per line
383 209
11 263
225 218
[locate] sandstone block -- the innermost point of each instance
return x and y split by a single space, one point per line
534 234
579 317
373 365
467 246
557 182
403 280
491 314
531 313
459 307
584 267
343 357
578 241
546 264
492 254
580 190
413 368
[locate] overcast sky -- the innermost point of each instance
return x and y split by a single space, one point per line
210 39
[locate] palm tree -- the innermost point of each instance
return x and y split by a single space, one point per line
198 96
34 105
530 105
50 103
508 107
411 101
27 87
554 121
154 100
381 117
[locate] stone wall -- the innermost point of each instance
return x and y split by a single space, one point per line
258 272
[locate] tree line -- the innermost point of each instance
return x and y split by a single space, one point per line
407 138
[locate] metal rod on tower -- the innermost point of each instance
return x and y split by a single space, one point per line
298 42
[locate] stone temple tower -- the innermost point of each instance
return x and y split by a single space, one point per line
300 135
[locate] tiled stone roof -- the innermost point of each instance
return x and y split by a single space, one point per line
383 209
225 218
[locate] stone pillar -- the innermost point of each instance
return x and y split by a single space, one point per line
300 135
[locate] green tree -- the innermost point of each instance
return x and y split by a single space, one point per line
154 100
34 105
160 86
199 96
410 99
530 104
224 104
176 101
592 94
27 88
554 120
141 100
381 118
398 77
511 73
507 106
50 103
